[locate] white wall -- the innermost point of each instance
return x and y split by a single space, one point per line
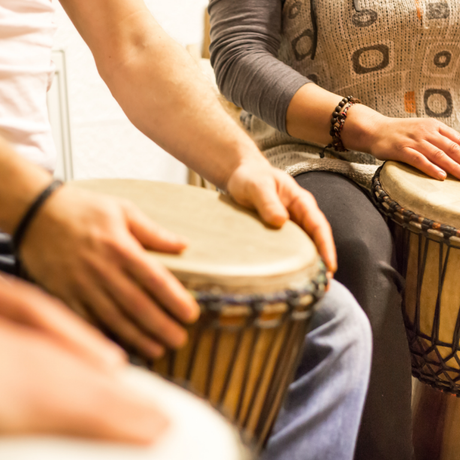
104 143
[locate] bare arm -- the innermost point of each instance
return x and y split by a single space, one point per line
159 86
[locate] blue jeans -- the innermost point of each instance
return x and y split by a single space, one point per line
321 415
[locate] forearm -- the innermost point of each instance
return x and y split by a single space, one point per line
164 94
309 118
20 183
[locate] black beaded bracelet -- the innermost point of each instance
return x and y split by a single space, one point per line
30 214
337 122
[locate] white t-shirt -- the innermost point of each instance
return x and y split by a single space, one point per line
26 38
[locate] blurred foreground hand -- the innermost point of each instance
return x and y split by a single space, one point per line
59 376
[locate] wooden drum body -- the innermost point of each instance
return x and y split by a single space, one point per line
424 215
255 285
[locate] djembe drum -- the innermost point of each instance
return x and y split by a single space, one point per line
424 215
255 285
195 431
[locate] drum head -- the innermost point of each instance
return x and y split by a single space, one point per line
415 191
230 247
196 432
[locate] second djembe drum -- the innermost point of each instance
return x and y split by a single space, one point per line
255 285
424 215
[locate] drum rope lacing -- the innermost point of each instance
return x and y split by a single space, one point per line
428 364
290 296
393 209
284 348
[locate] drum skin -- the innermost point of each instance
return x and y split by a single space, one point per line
424 215
255 285
195 431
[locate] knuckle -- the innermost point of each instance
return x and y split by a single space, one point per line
454 148
415 159
438 155
401 147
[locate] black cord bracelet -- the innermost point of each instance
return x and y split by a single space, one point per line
21 229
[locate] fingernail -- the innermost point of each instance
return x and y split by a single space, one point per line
442 174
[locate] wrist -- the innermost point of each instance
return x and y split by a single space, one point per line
31 213
247 155
361 128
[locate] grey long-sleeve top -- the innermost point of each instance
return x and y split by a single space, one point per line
246 36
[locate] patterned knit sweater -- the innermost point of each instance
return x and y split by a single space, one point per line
400 57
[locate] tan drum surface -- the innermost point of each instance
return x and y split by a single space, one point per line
196 432
229 245
414 190
256 286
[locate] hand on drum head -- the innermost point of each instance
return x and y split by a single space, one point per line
425 143
277 197
46 389
26 305
88 250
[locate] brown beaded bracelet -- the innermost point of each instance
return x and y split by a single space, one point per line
337 122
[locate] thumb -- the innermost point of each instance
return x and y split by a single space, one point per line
268 204
151 235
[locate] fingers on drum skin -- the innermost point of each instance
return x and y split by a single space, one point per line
143 310
151 235
421 162
450 133
307 214
163 286
129 289
102 306
449 147
438 157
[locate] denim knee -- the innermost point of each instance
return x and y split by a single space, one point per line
340 335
